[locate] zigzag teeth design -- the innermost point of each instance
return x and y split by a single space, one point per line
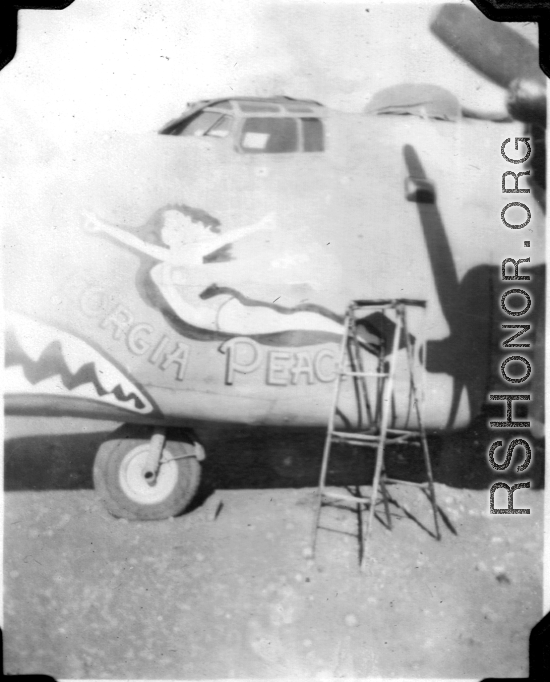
16 382
109 377
32 337
74 355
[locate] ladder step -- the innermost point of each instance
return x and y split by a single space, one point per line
355 439
397 432
368 438
424 484
405 432
358 443
380 375
355 435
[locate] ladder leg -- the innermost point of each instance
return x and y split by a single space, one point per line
431 484
351 349
361 390
385 497
322 478
360 524
386 408
328 439
374 495
422 430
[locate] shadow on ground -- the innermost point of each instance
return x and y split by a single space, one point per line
241 457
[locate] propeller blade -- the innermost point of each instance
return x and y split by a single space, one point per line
495 50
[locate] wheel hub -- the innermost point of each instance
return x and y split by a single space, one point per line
137 486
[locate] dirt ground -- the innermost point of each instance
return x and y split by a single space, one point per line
228 590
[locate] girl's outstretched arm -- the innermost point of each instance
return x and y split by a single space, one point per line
266 223
93 224
217 241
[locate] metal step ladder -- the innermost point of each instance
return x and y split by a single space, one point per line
375 404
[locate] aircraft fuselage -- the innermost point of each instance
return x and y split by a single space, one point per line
380 207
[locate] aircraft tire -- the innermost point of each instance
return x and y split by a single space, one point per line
124 491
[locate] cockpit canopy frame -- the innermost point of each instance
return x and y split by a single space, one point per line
255 125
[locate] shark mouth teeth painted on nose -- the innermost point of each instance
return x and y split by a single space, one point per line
43 360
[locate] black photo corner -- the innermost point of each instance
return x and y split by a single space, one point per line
539 654
8 23
537 11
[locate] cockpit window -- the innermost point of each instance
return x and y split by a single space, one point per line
269 135
221 128
312 130
258 134
212 123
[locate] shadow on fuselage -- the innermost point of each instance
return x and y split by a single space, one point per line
471 353
240 458
243 457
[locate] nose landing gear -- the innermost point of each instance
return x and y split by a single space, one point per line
144 475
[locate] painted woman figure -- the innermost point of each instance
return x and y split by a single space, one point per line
186 281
